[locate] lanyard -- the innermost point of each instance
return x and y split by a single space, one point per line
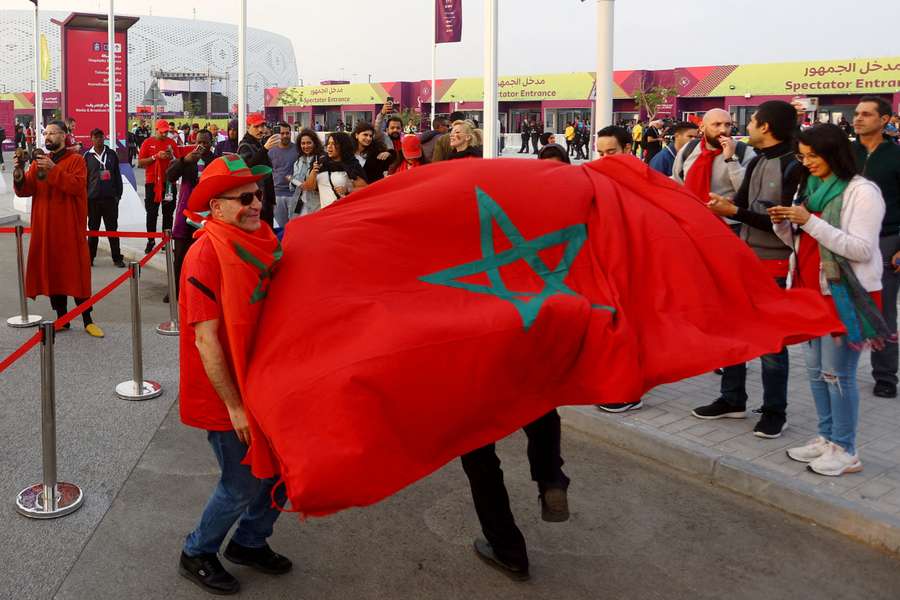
101 158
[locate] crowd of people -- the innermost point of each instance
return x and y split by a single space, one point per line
820 212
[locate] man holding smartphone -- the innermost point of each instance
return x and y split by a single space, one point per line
772 178
254 149
154 157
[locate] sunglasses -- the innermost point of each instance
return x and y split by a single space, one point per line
246 198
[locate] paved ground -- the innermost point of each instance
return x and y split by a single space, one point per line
639 529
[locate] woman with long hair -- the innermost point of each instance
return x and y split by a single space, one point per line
309 146
370 153
834 232
338 174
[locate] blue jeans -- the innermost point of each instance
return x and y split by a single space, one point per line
774 379
831 365
238 495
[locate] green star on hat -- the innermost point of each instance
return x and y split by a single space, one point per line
225 173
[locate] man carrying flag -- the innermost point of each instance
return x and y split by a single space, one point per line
226 272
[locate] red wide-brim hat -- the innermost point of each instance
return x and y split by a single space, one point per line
227 172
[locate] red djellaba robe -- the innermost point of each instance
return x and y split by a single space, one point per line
58 258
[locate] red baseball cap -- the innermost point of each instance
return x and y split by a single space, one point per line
225 173
162 126
255 119
412 147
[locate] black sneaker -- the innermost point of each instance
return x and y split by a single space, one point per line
166 299
720 409
486 553
617 408
770 426
207 572
262 559
119 263
149 248
554 505
884 389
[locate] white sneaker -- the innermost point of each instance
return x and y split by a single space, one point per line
811 451
835 462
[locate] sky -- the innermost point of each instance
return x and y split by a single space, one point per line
391 39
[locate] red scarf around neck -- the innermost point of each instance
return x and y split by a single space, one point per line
699 176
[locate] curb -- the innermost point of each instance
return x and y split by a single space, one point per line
768 487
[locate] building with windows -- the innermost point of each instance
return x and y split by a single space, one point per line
830 88
155 45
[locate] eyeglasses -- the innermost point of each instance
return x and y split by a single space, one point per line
246 198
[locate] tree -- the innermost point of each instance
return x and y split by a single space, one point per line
409 114
650 100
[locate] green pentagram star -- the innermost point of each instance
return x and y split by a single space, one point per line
528 304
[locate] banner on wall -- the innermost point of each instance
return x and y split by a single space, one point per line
857 76
327 95
447 21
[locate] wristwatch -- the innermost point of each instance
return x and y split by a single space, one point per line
732 159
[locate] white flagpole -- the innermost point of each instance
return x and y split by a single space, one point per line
433 61
603 102
489 125
111 35
242 71
38 100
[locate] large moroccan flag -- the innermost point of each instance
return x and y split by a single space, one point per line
443 308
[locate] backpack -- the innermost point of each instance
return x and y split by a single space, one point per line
740 150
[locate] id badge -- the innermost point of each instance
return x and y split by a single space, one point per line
105 175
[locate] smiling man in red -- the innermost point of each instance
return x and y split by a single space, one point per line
223 281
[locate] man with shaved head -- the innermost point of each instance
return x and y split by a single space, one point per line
714 163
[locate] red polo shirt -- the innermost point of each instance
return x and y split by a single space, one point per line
200 300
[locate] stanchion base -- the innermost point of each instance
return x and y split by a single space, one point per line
26 321
167 328
30 501
128 390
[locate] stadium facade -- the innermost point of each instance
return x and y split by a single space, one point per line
154 44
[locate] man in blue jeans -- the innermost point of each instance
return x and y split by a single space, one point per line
771 178
210 399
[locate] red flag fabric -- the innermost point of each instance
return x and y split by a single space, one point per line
445 307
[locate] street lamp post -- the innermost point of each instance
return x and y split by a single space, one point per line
489 125
603 102
242 71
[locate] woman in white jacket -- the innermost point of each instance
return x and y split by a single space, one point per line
836 252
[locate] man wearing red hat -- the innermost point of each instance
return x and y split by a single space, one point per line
411 157
255 152
155 154
224 278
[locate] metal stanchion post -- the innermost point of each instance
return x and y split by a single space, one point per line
136 388
170 327
24 319
50 498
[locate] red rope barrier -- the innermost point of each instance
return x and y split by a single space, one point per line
31 343
118 234
80 309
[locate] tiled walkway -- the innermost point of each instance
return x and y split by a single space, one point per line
667 409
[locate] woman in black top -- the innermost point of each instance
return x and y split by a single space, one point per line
371 154
464 141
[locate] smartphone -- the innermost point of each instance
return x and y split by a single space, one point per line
767 204
389 100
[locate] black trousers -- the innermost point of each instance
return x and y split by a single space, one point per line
106 209
152 208
181 247
60 304
524 147
535 138
482 467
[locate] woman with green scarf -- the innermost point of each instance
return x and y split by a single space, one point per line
834 233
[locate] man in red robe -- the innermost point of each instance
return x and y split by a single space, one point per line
58 258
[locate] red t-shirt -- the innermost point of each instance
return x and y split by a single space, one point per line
806 272
200 300
151 147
